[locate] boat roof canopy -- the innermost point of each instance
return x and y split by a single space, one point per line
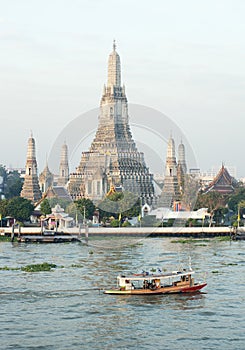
147 276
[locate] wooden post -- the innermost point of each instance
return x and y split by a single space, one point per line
12 233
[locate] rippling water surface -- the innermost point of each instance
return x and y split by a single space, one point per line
65 309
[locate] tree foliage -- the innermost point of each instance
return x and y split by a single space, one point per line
216 204
125 204
45 207
236 198
88 205
3 172
20 208
64 203
211 200
190 192
4 207
13 185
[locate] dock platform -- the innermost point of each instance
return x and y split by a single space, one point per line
47 239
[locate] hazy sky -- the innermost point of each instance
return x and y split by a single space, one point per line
183 58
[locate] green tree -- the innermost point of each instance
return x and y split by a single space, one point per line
45 207
190 192
126 224
4 207
115 223
13 185
124 203
88 205
213 200
64 203
74 212
20 208
3 172
235 198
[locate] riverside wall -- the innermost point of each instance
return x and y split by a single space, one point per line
136 231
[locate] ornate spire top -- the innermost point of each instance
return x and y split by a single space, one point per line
31 149
114 68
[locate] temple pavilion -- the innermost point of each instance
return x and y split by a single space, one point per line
222 183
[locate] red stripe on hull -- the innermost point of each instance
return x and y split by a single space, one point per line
194 288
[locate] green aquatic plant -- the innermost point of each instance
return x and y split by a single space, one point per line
190 240
184 241
77 265
38 267
223 238
229 264
6 268
5 239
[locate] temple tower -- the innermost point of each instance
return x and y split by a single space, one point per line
181 157
182 167
64 166
46 179
113 158
31 188
170 191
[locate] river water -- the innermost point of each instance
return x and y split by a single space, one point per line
64 308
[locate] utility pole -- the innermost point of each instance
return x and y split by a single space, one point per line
84 218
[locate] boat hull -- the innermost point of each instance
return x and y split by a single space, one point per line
164 290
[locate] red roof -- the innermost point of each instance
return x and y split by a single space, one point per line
222 183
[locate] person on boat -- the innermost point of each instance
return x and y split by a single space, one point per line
145 284
153 285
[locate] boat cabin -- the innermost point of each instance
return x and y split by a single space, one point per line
124 284
147 281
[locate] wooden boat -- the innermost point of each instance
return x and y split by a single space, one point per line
148 284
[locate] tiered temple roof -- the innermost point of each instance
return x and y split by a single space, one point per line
222 183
